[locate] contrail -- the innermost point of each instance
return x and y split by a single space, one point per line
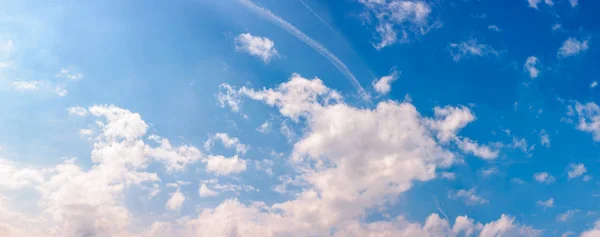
266 14
317 15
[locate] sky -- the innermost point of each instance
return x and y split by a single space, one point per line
299 118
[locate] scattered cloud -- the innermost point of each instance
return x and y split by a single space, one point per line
26 85
530 67
535 3
576 170
397 21
546 204
566 215
221 165
227 141
176 201
204 191
544 138
588 117
572 47
77 110
382 86
265 127
494 28
468 196
593 84
261 47
70 73
448 175
471 48
544 177
489 172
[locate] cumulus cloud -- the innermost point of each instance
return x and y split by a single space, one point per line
468 196
572 47
544 138
544 177
530 66
176 201
546 204
382 86
588 118
576 170
471 48
396 20
227 141
204 191
261 47
221 165
566 215
593 232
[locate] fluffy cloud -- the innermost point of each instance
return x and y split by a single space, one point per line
221 165
594 232
546 204
344 176
227 141
576 170
471 48
394 18
204 191
544 177
566 215
382 86
505 226
530 68
572 47
588 118
176 201
261 47
468 196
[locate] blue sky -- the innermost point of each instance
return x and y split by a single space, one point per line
299 118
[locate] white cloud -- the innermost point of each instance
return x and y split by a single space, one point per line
489 172
261 47
556 27
546 204
174 158
26 85
86 132
60 91
576 170
449 120
228 98
204 191
505 226
228 142
382 86
484 152
574 3
588 117
530 68
593 84
221 165
399 18
77 110
448 175
544 138
594 232
176 201
567 234
544 177
572 47
494 28
566 215
70 73
471 48
265 127
535 3
12 176
587 178
468 196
